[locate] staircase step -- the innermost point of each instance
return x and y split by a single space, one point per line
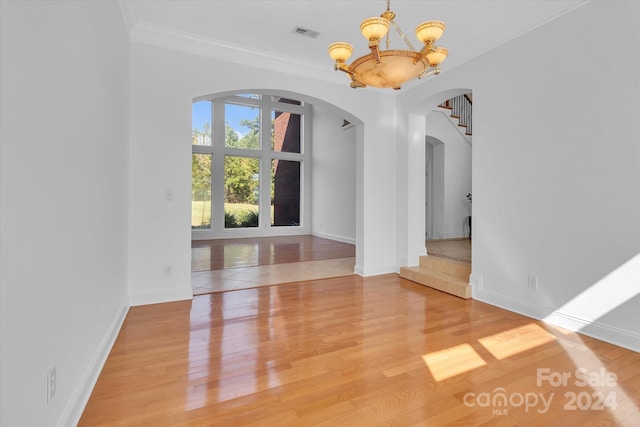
460 270
437 280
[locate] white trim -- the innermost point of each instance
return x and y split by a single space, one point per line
454 122
593 329
375 271
342 239
451 236
616 336
80 396
169 38
218 149
475 281
413 258
160 296
240 233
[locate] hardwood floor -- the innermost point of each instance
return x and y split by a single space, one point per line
232 264
356 351
455 249
249 252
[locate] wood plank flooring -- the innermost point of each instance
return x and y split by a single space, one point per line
455 249
249 252
232 264
356 351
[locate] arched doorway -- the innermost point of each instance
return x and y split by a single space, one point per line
420 132
325 179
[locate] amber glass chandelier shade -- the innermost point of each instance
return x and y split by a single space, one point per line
437 57
395 68
340 52
374 28
387 67
430 31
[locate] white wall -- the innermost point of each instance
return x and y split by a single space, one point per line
63 202
333 192
456 176
163 84
556 183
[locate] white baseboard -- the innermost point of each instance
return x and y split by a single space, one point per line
334 237
414 258
376 271
593 329
616 336
160 296
80 396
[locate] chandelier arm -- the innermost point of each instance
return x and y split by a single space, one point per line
428 48
344 68
375 51
355 83
406 40
429 72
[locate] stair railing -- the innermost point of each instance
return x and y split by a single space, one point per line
461 109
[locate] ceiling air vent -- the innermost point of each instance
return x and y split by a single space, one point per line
305 32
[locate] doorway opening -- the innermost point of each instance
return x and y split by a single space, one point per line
263 204
448 179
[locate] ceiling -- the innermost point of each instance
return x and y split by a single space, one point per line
261 32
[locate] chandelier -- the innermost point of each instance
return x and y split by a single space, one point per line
391 68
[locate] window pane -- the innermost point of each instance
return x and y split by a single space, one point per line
285 193
285 131
200 191
201 123
242 126
241 191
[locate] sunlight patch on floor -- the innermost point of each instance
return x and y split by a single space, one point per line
509 343
452 361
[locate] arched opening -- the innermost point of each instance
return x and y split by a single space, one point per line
448 190
325 193
447 170
435 146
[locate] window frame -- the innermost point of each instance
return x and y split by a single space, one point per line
266 104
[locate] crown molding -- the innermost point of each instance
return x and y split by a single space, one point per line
168 38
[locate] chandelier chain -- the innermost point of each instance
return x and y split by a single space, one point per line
391 67
406 40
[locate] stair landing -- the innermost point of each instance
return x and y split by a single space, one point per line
442 274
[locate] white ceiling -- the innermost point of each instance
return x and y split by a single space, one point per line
251 31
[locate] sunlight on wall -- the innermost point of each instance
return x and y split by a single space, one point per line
613 290
508 343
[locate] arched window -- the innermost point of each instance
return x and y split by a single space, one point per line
250 166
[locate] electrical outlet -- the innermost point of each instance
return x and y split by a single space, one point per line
532 283
168 270
51 384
